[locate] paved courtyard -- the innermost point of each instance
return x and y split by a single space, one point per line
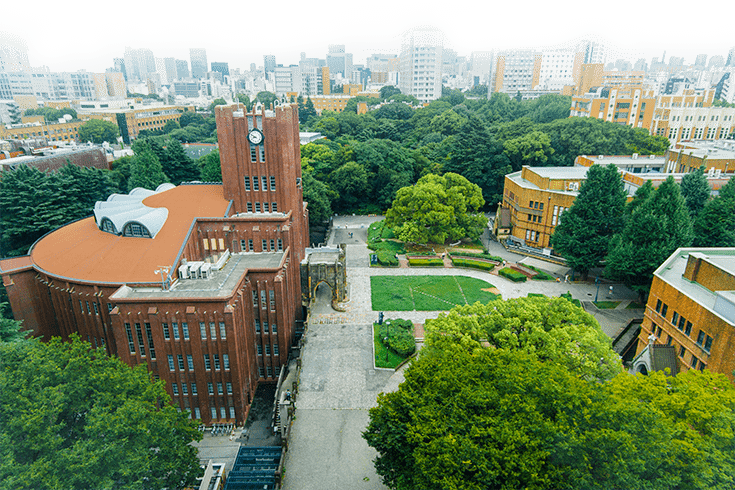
338 382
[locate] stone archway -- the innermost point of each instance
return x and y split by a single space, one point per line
324 265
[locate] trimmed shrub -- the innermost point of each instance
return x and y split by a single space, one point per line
426 262
541 275
386 257
514 276
568 296
400 336
478 256
473 264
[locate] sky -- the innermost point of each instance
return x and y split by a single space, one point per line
360 39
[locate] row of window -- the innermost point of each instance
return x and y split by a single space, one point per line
694 361
536 205
271 298
275 245
267 208
139 335
256 183
266 327
212 331
704 340
179 361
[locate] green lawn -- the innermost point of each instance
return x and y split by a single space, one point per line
384 357
427 293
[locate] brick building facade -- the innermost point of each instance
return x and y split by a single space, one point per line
199 282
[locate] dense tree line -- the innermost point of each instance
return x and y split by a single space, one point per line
481 139
635 238
527 393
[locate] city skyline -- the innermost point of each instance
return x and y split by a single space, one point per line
361 40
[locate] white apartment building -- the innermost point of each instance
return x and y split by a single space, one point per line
557 69
421 63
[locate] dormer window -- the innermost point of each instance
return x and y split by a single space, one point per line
108 227
136 230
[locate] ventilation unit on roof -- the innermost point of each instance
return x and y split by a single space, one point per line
601 157
651 156
635 156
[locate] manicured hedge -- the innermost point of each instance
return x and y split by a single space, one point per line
426 262
478 256
400 336
514 276
386 257
541 275
473 264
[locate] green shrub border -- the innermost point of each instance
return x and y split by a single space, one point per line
426 262
478 256
514 276
473 264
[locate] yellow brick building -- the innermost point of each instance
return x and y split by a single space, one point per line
691 307
625 105
57 132
334 103
134 119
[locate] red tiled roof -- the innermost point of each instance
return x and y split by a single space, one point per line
82 251
13 263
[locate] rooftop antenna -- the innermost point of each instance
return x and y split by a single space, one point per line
163 271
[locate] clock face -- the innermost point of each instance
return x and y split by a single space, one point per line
255 137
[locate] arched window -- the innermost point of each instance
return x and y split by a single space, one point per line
136 230
107 226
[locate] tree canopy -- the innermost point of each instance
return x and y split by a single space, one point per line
72 417
98 131
436 209
586 229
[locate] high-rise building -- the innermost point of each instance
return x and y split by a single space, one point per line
139 63
119 66
182 69
339 61
593 52
421 63
221 67
701 61
558 69
198 58
200 283
731 57
269 63
516 71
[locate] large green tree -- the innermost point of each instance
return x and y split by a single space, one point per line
71 417
654 231
98 131
586 229
436 209
351 182
211 167
146 170
317 194
696 191
714 226
179 167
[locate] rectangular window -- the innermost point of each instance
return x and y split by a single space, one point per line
166 333
273 328
274 207
175 328
221 242
216 362
207 362
250 245
229 388
272 245
206 244
210 388
131 344
139 334
213 411
265 245
682 321
232 412
270 371
190 362
658 306
181 362
265 182
109 307
194 389
277 370
220 391
273 182
682 351
185 329
664 309
171 363
197 413
260 349
250 207
700 338
674 318
257 207
267 349
262 299
247 182
255 299
222 412
212 331
253 153
256 183
89 312
260 371
275 349
257 325
175 388
203 330
149 334
265 207
222 331
265 326
96 311
272 298
185 388
262 152
688 329
226 361
243 245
